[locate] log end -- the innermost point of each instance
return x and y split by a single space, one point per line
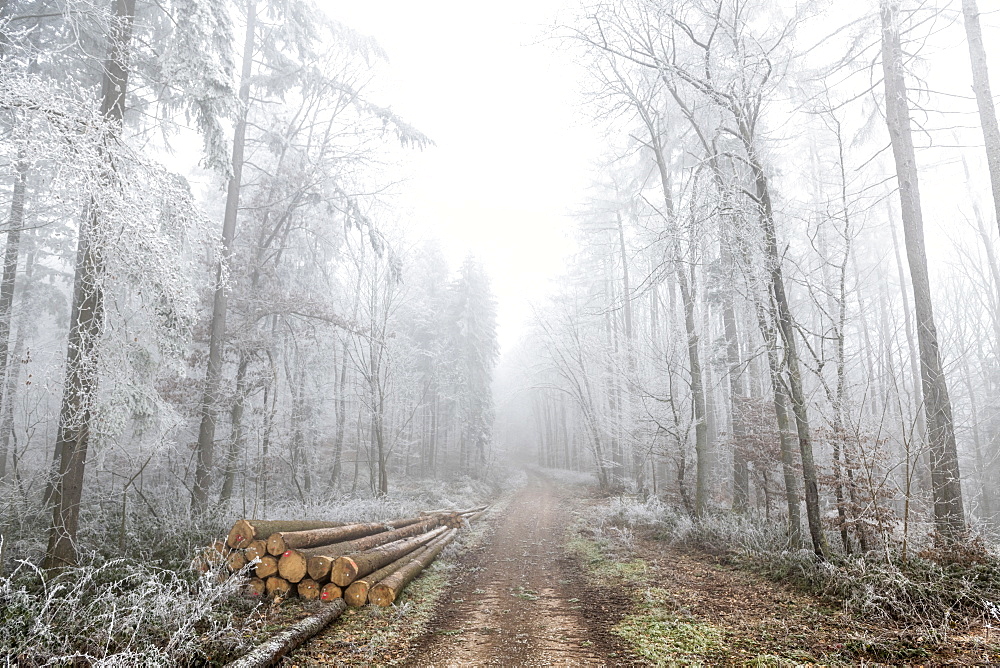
292 565
255 550
309 590
344 571
275 586
319 567
241 535
235 561
267 567
357 594
256 587
381 595
276 545
330 592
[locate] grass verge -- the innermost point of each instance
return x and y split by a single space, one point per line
652 630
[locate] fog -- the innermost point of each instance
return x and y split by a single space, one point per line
739 258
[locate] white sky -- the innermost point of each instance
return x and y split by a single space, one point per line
514 152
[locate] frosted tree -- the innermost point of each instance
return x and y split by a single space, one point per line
475 352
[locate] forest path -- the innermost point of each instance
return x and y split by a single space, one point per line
520 600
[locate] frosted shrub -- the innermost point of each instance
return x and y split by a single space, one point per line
119 613
931 593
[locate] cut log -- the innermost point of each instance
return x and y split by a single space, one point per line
267 567
293 565
271 652
357 594
318 566
385 592
330 591
349 567
255 550
256 587
448 511
320 559
235 561
275 586
280 542
245 532
308 590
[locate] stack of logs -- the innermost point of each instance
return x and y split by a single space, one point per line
360 563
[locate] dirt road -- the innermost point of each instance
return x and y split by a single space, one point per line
520 600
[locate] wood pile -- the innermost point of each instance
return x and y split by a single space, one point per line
314 560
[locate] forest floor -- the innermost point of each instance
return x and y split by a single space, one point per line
536 589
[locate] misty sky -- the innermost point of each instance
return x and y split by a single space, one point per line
514 150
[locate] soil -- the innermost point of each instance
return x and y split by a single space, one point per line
521 601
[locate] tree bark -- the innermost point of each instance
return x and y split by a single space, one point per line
87 313
319 560
356 595
245 532
949 514
385 592
213 375
349 567
280 541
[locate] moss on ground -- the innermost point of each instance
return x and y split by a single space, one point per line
652 630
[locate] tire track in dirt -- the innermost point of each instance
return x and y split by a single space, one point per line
520 601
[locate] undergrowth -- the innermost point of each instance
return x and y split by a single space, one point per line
121 613
134 601
926 591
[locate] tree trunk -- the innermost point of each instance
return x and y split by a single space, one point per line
984 97
217 336
236 439
786 327
946 484
784 432
7 284
87 313
741 469
701 450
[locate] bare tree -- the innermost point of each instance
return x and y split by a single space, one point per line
949 515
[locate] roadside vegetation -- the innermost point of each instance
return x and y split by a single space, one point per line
135 600
876 607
